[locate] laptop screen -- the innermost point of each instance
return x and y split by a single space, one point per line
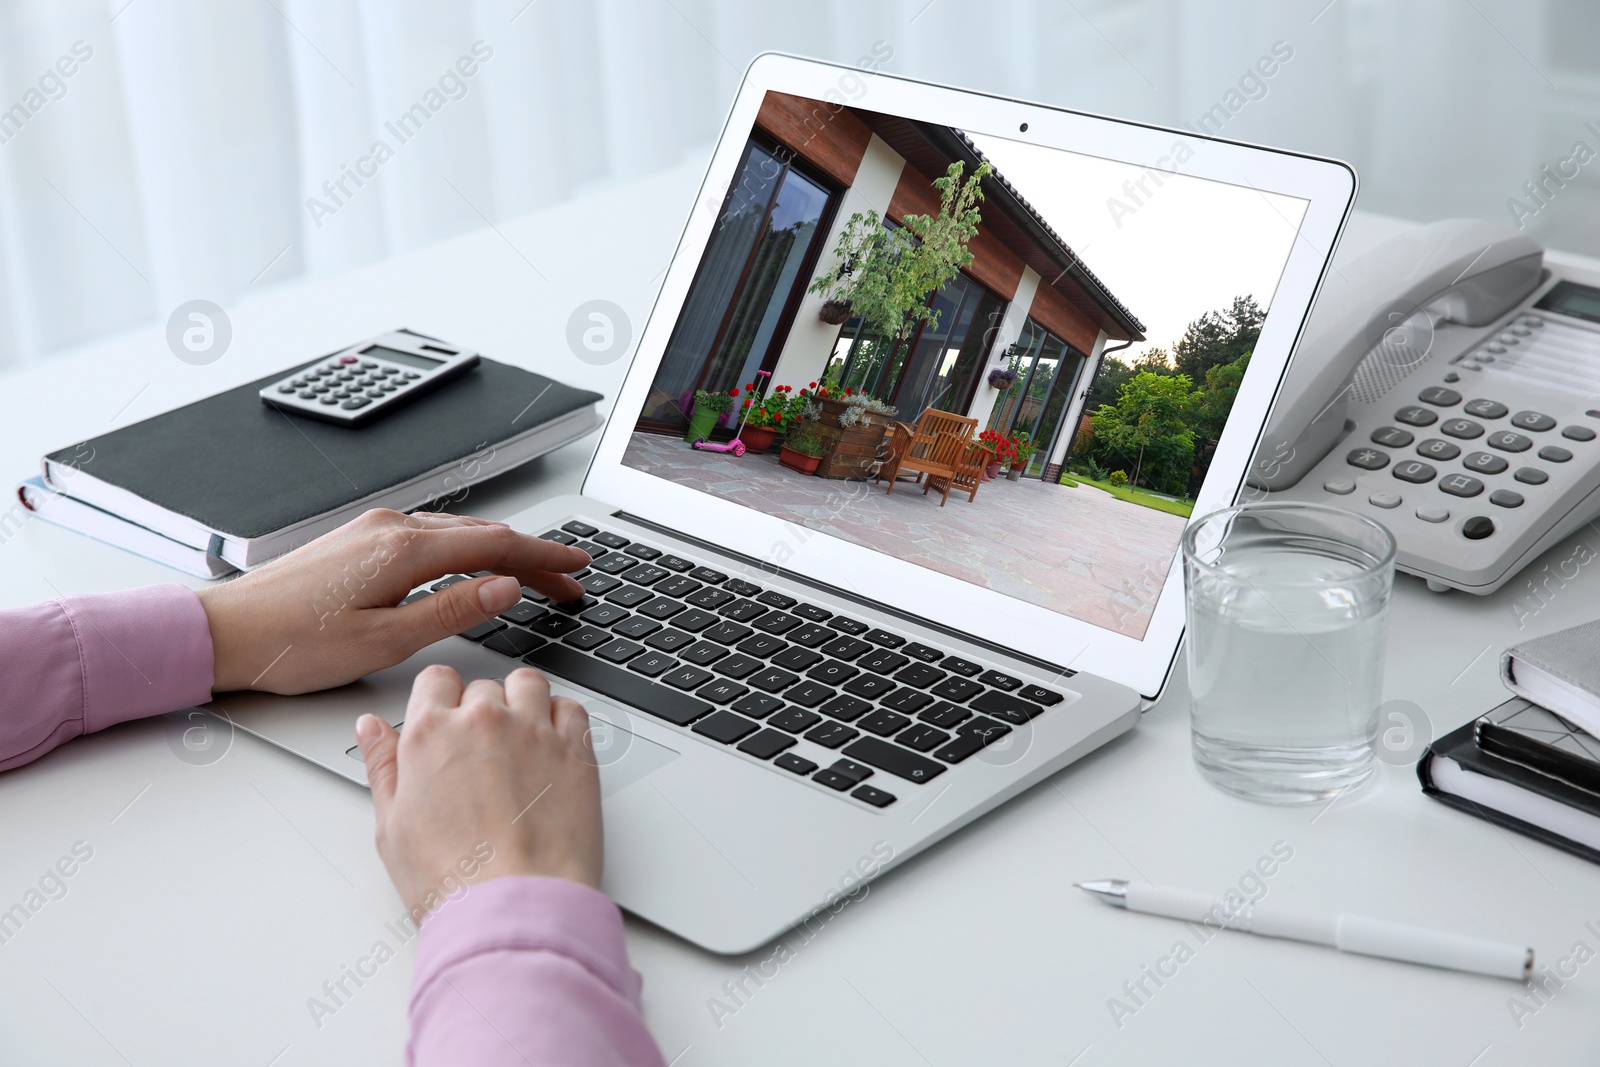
1003 362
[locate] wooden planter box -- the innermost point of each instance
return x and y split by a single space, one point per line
853 450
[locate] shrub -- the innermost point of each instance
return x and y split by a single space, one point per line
1118 478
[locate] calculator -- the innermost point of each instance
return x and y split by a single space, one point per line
360 383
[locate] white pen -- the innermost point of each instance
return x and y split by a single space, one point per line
1347 933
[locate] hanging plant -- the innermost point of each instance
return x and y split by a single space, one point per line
1002 378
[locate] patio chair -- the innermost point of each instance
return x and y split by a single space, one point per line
959 462
900 438
918 457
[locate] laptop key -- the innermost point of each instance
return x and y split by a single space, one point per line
609 539
918 650
900 762
808 694
580 529
618 650
882 662
849 626
629 596
920 676
1005 706
618 684
738 665
810 636
687 677
721 691
811 612
710 598
445 583
845 708
876 797
662 607
676 564
797 764
922 737
832 672
774 599
599 584
757 705
794 720
762 645
964 667
777 622
999 681
637 628
702 653
604 615
989 730
418 595
513 642
642 551
945 714
694 620
851 770
1038 694
957 689
554 626
678 586
794 659
725 726
615 564
727 633
740 587
831 734
885 638
767 743
707 575
884 723
575 607
742 611
523 612
645 573
773 679
595 551
670 640
560 537
482 630
587 637
871 686
845 648
907 700
652 663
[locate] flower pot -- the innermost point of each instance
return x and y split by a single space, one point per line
798 461
757 438
1014 474
835 312
992 471
852 450
701 423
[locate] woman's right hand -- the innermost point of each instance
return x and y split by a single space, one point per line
508 765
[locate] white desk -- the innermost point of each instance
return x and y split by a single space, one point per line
219 898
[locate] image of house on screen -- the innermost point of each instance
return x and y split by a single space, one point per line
1025 302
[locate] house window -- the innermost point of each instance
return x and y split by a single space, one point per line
1047 372
746 286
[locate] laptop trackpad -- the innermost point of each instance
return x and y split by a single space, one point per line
624 757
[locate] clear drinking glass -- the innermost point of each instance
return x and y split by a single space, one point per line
1287 607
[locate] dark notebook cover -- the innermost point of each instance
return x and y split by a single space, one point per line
247 470
1460 745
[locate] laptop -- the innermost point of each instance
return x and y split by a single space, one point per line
801 678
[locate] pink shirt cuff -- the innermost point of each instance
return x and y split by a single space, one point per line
144 652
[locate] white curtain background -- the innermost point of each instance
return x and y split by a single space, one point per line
177 160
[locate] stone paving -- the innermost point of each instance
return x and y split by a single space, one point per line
1078 551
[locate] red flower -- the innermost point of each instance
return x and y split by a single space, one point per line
734 391
849 392
778 417
813 385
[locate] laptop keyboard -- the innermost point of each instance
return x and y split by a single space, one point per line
758 670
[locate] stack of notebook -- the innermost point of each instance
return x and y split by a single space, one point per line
229 483
1533 763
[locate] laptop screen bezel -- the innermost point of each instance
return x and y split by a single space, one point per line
1143 664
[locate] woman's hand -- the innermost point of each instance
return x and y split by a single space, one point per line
326 614
508 766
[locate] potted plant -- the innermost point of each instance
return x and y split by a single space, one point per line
856 242
1001 448
1022 452
804 447
764 417
707 411
852 425
1002 378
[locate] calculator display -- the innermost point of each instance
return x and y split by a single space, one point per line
410 359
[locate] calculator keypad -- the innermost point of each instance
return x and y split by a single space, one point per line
343 384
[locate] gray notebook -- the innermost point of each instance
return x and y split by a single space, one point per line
1560 671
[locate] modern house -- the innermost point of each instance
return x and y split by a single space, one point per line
1026 301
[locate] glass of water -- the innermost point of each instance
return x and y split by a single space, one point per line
1287 606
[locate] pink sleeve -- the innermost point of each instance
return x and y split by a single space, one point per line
81 663
527 971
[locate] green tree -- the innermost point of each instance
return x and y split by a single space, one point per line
1153 360
1149 428
1108 382
1211 408
1218 337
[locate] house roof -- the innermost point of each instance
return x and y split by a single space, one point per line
931 148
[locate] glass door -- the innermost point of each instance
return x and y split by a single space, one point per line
1047 370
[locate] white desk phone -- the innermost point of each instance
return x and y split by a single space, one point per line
1465 384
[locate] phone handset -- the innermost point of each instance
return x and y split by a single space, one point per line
1456 270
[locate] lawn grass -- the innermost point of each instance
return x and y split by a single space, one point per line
1134 496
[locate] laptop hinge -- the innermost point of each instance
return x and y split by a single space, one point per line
845 594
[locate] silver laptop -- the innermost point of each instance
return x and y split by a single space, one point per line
806 664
